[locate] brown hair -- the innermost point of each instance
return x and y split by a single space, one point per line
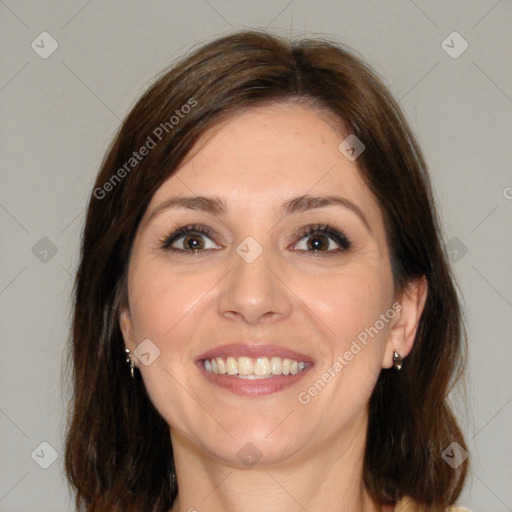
118 453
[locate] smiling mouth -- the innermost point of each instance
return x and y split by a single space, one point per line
253 368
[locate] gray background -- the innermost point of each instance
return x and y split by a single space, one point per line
59 113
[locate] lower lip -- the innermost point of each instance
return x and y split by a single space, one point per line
253 387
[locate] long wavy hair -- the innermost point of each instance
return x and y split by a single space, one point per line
118 452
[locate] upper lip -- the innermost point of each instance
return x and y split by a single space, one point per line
253 350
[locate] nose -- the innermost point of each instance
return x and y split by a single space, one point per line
255 291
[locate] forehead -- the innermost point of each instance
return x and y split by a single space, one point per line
267 154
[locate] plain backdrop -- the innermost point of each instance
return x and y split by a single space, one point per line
70 73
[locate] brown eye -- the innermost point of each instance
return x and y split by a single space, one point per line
193 238
318 242
193 242
322 238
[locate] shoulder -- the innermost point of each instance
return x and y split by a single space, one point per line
407 504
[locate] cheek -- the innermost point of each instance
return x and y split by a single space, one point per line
163 305
161 299
350 300
352 305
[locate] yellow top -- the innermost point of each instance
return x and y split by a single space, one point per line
409 505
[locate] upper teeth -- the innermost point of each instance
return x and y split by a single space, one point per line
257 368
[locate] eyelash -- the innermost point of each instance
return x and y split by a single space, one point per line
315 229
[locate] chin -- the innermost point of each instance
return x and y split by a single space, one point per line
255 450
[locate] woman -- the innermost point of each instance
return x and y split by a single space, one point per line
264 314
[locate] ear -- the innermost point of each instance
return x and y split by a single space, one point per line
126 326
405 324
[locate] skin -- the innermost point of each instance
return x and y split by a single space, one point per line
185 303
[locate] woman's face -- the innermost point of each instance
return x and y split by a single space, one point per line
257 280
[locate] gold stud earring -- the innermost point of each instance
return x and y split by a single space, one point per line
130 361
397 360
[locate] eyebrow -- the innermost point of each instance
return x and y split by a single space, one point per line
216 206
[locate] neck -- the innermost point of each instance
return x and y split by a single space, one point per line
331 478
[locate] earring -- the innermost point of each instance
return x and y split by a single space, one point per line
397 360
130 361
